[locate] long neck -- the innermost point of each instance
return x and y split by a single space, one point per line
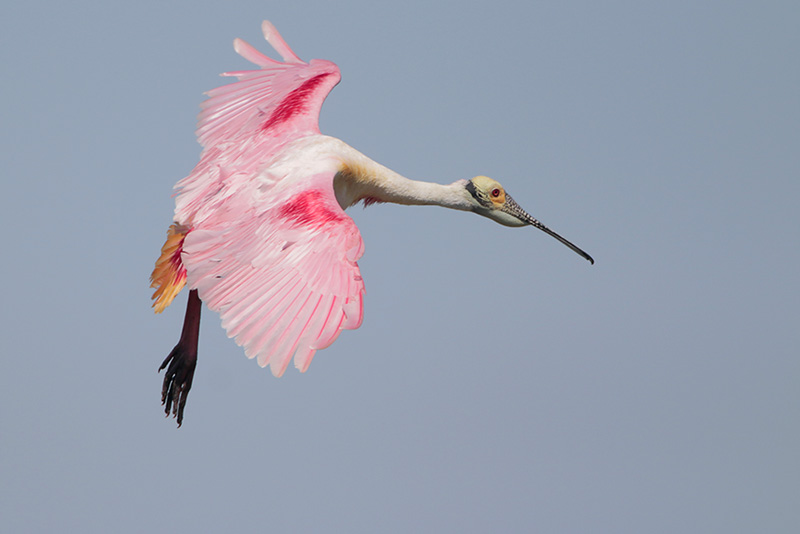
363 178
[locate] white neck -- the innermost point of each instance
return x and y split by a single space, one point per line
363 178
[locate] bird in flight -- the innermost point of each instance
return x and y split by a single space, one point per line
260 233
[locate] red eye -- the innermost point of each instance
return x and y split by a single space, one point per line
495 192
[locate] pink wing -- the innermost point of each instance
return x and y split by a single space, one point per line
283 277
242 123
275 256
283 99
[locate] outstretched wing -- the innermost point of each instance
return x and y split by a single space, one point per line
243 124
283 276
283 99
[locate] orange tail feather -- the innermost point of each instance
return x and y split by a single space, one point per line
169 274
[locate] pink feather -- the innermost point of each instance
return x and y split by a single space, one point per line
269 247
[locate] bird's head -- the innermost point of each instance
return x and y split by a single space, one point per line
488 198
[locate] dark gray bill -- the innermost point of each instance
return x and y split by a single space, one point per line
512 208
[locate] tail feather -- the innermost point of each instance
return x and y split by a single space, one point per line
169 274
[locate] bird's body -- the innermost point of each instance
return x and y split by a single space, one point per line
260 233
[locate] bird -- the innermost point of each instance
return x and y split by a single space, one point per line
259 232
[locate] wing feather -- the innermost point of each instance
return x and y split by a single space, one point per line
286 345
307 348
268 246
280 316
247 51
274 38
283 275
282 97
282 338
330 328
265 296
242 123
272 313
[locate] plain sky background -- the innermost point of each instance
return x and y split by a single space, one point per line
499 382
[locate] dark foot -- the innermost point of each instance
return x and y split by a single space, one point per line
178 380
181 362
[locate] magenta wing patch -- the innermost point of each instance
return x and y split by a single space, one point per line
297 102
312 209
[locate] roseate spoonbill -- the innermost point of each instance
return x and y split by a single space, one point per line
260 232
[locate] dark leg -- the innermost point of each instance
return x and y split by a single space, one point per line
182 361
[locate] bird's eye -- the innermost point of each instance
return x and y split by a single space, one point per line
495 192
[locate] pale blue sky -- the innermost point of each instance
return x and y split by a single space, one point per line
499 382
